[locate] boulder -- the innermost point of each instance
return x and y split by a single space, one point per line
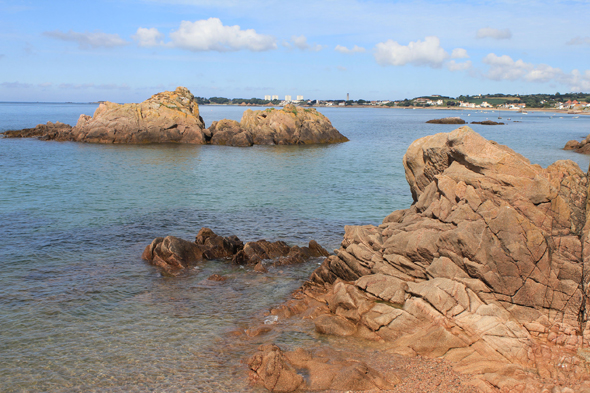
230 133
447 120
488 268
290 125
582 147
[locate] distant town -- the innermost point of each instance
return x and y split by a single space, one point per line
566 101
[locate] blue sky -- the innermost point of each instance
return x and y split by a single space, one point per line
127 50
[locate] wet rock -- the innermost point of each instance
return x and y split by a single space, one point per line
45 131
173 255
487 268
447 120
216 277
324 369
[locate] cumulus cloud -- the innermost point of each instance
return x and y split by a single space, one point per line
579 41
300 42
354 49
497 34
420 53
148 37
505 68
452 65
211 35
459 53
87 40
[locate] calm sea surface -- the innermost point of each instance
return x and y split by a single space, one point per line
80 310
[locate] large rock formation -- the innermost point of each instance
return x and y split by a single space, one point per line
290 125
174 255
170 116
173 117
488 268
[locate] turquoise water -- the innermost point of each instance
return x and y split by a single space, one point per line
79 308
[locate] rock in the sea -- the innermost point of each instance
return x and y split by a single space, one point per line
173 117
488 123
174 255
579 147
280 371
447 120
290 125
43 131
487 269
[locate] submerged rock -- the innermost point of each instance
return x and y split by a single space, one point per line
447 120
280 371
487 269
174 255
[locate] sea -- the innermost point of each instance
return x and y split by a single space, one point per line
81 311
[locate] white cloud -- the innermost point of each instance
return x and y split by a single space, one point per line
497 34
301 43
45 84
86 86
211 35
505 68
86 40
341 68
579 41
148 37
577 81
420 53
459 53
452 65
355 49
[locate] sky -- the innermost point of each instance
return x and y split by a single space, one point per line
127 50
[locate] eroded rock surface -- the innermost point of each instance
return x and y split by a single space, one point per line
174 255
280 371
290 125
488 268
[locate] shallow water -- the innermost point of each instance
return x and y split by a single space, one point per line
79 308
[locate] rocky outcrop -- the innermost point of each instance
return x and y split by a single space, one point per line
170 116
174 255
173 117
280 371
43 131
290 125
488 123
579 147
447 120
488 268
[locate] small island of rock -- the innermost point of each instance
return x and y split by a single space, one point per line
447 120
173 117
